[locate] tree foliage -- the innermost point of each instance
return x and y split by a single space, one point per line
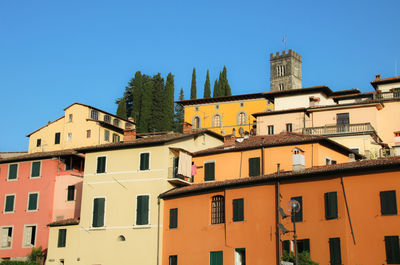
304 258
193 90
207 86
121 110
169 103
179 114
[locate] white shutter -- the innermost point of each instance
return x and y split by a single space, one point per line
185 164
4 237
28 236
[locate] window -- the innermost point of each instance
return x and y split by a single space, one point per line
144 161
9 203
303 245
241 118
6 234
281 87
29 236
329 161
270 129
286 246
173 218
217 106
218 210
35 171
142 210
241 104
196 109
38 142
33 199
216 258
12 171
57 138
106 135
298 216
331 208
173 260
280 70
98 212
69 137
209 171
71 193
388 202
392 249
88 133
116 122
107 118
101 164
240 256
70 118
217 120
289 127
238 210
94 114
116 138
334 250
196 122
254 167
62 236
355 149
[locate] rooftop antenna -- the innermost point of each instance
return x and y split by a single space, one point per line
284 41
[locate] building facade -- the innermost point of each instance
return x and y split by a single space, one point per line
285 71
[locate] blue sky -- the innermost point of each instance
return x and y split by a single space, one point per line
54 53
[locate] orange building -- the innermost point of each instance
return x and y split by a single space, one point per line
348 216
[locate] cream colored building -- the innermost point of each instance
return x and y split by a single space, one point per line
121 215
81 125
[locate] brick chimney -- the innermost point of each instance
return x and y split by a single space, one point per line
298 159
229 140
377 77
187 127
129 135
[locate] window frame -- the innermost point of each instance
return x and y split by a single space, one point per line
209 162
331 214
215 120
116 122
12 236
40 170
97 164
332 248
270 129
106 135
219 262
241 121
38 142
16 172
88 134
37 201
196 125
289 127
94 114
384 210
63 242
392 258
24 236
218 210
140 161
107 118
69 137
68 193
57 138
254 174
148 211
239 217
5 202
104 215
173 218
240 251
173 260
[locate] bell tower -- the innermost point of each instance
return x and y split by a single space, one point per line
285 70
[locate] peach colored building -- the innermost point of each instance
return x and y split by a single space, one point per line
348 215
35 190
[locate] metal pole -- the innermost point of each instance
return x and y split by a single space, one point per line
295 236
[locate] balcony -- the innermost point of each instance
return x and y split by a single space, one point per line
337 130
388 95
177 179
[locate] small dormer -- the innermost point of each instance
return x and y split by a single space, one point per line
298 159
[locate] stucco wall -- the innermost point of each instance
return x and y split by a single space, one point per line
300 101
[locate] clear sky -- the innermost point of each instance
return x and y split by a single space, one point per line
55 53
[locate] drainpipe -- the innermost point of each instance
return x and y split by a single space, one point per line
262 157
277 205
348 211
158 232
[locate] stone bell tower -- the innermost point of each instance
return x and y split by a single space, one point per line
285 70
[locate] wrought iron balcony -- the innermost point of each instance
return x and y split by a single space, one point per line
387 95
329 130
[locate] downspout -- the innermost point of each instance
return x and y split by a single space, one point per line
158 232
348 211
277 205
262 157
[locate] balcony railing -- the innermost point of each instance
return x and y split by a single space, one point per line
340 129
177 179
387 95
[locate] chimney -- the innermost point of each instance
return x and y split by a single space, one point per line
396 138
129 135
187 127
298 160
377 77
352 157
229 140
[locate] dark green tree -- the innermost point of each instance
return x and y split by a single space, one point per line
169 103
193 90
207 86
121 110
156 120
147 102
137 90
226 88
179 114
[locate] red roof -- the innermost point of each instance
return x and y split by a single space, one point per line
70 221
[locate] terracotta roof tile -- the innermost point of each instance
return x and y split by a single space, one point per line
70 221
39 155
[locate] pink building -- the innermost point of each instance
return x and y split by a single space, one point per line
35 190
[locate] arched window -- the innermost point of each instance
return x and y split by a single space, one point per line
94 114
116 122
196 122
241 119
217 120
280 70
107 118
218 210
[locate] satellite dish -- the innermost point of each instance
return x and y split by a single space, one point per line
294 206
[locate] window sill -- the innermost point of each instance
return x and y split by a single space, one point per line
142 226
38 177
389 214
32 211
97 228
8 212
12 179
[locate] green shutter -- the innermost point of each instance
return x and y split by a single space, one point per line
392 249
388 202
173 260
299 215
216 258
33 198
334 250
35 169
254 167
9 203
144 161
98 212
209 171
173 218
286 246
62 236
101 164
238 210
331 210
142 210
306 245
57 138
12 171
71 193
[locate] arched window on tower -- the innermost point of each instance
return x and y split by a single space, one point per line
280 70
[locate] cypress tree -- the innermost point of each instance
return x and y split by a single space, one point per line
169 103
121 110
207 87
156 119
137 88
147 99
215 92
226 88
179 114
193 90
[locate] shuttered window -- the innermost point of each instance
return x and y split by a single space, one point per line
10 200
12 171
173 218
331 209
218 210
238 210
216 258
62 236
142 210
173 260
392 249
29 236
254 167
35 169
144 161
388 202
303 245
33 201
71 193
298 216
101 164
57 138
209 171
98 212
334 250
286 246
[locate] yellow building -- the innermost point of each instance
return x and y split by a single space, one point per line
226 115
81 125
121 215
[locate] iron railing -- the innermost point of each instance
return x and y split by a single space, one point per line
387 95
340 129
